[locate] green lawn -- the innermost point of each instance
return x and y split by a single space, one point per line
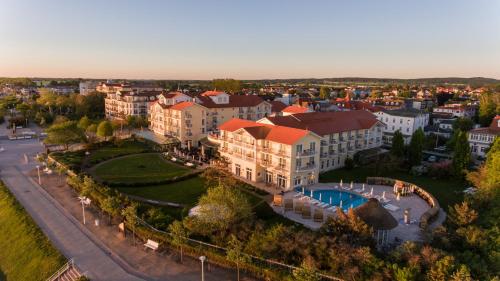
139 168
111 150
71 159
446 191
183 192
25 253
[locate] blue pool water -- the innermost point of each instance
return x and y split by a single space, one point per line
348 199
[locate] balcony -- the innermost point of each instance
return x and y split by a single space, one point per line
249 158
359 136
267 149
323 155
308 167
342 150
351 137
342 139
308 152
280 168
350 148
324 142
282 153
334 141
265 163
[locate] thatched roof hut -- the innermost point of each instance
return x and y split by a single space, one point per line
375 215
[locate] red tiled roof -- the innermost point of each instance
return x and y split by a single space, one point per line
182 105
279 134
295 109
493 129
170 95
234 101
211 93
277 106
325 123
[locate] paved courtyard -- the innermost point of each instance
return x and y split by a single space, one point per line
403 231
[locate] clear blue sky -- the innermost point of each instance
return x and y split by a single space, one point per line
249 39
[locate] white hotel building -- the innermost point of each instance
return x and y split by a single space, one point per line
407 121
291 151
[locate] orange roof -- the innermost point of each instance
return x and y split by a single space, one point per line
325 123
234 101
295 109
211 93
182 105
279 134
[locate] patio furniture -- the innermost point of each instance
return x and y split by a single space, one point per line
318 215
299 205
288 205
153 245
306 211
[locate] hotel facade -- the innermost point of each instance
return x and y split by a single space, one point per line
290 151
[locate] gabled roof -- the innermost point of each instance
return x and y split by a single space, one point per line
234 101
278 134
295 109
170 95
325 123
182 105
493 129
211 93
277 106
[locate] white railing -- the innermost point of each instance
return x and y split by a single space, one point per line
61 270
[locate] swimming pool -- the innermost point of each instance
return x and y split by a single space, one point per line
334 197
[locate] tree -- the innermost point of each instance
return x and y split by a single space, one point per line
92 129
463 124
461 155
416 147
228 85
348 163
87 187
179 234
65 133
461 274
222 207
462 214
442 269
234 253
306 271
130 215
23 108
324 93
398 144
111 205
84 123
104 130
489 105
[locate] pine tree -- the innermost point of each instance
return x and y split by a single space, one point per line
462 155
416 147
398 144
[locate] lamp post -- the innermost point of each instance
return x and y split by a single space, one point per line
39 178
85 201
202 259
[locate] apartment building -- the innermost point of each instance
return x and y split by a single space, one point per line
120 104
457 110
480 139
407 121
343 133
87 87
278 156
170 116
110 87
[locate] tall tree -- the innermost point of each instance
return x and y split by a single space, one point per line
104 130
461 155
398 144
489 106
416 147
179 235
65 133
235 253
111 205
463 124
324 93
130 215
84 123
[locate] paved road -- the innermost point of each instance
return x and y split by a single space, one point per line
93 258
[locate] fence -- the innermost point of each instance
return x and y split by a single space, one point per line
422 193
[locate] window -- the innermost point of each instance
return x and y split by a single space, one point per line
298 163
281 180
297 181
312 146
249 174
237 170
299 148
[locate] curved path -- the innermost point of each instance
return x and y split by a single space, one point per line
63 230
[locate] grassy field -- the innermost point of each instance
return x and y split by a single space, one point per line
72 159
111 150
184 192
139 168
25 253
446 191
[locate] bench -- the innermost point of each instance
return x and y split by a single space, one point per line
151 244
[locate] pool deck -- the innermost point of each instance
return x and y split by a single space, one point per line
403 231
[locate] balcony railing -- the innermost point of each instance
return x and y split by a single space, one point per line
280 168
323 155
324 142
307 152
266 163
306 167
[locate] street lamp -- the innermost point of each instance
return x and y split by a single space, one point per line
85 201
39 178
202 259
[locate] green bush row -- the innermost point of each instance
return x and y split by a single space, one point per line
149 183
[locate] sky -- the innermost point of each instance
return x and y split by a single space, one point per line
249 39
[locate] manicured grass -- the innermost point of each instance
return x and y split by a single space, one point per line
139 168
25 253
111 150
71 159
183 192
446 191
